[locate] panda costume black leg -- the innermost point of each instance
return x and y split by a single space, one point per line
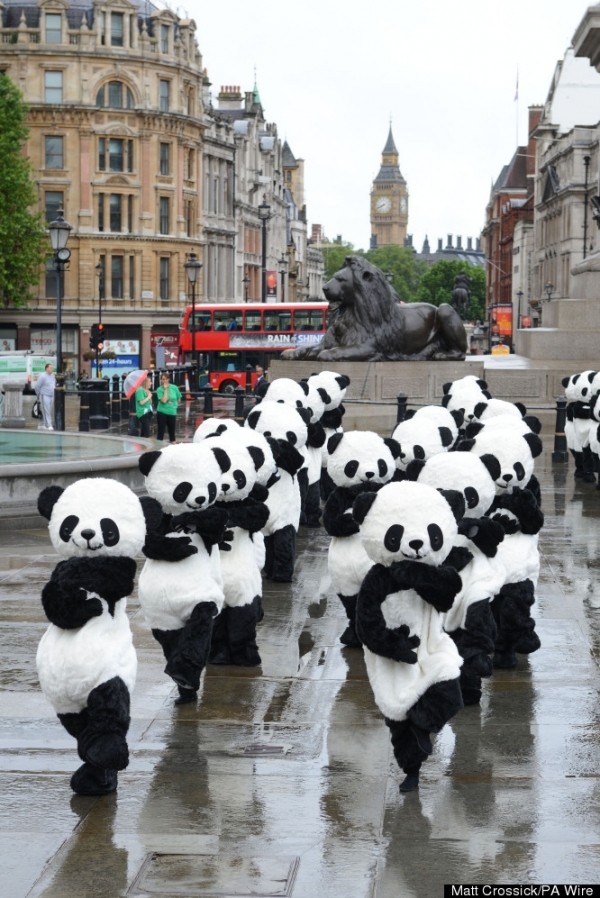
349 637
516 628
186 650
280 549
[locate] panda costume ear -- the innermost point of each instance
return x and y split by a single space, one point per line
446 388
222 458
492 464
534 443
565 382
446 436
479 409
147 460
409 413
456 501
576 378
333 442
257 455
343 380
362 505
252 419
47 499
592 375
533 423
305 414
521 408
482 384
152 512
414 468
393 446
305 387
446 400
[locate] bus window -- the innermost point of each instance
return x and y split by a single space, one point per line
227 321
252 321
278 321
202 320
227 361
308 320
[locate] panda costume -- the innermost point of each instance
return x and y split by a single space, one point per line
86 661
470 621
234 632
358 460
409 530
441 416
287 432
517 508
180 587
420 438
332 389
579 389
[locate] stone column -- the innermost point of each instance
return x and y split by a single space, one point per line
13 405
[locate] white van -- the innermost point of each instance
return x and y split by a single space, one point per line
23 366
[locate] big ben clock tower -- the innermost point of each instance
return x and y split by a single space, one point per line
389 200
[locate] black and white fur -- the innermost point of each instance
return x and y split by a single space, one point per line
332 387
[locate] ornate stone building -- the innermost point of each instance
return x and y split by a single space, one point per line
389 200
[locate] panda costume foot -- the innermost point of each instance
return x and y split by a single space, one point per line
504 660
350 639
186 696
108 751
411 782
528 643
90 780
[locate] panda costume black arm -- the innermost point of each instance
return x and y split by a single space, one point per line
335 518
438 585
65 596
484 533
209 524
333 418
522 504
316 435
287 456
247 514
371 627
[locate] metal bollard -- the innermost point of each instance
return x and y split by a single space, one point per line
59 403
560 453
248 378
240 395
208 401
84 409
133 427
124 401
402 400
115 404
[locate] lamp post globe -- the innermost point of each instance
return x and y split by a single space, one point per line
264 214
245 282
192 268
59 231
549 288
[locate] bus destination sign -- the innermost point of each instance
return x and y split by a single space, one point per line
271 341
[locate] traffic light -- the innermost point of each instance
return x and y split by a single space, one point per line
97 337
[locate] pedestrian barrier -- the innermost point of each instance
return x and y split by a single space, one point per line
115 403
208 401
240 395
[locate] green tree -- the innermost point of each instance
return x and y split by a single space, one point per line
406 271
437 283
23 239
334 255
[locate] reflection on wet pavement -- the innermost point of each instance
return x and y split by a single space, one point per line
510 794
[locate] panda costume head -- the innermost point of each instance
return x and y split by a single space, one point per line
94 517
463 395
513 452
331 386
280 422
360 456
441 416
315 400
238 466
408 521
471 477
215 427
501 423
286 391
580 387
420 438
184 477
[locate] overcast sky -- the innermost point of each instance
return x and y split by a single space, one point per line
331 75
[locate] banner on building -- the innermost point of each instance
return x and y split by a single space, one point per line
271 284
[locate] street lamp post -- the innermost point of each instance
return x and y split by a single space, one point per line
192 267
264 214
59 231
549 288
100 273
519 295
282 267
245 282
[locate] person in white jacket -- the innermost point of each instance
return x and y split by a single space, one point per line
44 388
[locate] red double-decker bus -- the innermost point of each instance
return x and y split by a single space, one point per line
228 337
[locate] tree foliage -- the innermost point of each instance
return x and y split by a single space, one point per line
437 283
23 239
400 262
334 255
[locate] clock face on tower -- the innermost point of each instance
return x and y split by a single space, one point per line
403 205
383 204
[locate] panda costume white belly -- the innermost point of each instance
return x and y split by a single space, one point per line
398 686
71 663
283 504
242 581
520 557
482 578
348 563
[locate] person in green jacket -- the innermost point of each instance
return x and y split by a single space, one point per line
169 398
143 407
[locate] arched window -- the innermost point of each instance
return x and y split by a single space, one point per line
115 95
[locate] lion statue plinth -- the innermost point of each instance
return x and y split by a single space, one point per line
368 323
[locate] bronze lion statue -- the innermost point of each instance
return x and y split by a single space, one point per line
368 323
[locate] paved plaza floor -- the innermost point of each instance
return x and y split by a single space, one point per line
280 781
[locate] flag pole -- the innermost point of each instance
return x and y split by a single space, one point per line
517 107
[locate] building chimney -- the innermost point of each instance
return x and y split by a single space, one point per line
478 245
440 247
469 244
459 241
449 245
230 97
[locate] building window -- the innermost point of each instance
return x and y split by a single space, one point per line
163 94
130 213
131 276
163 224
54 152
188 211
164 278
51 280
164 38
164 158
53 28
130 155
115 212
189 173
100 211
115 95
103 28
54 200
116 277
116 29
53 87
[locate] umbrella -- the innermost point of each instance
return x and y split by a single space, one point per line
134 380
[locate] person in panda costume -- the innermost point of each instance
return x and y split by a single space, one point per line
234 632
579 389
310 515
470 621
180 586
86 661
409 531
358 460
452 421
511 444
420 438
332 387
286 430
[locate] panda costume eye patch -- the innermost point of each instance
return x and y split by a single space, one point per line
67 527
436 537
182 491
519 470
110 532
240 479
471 496
382 467
393 537
419 452
351 468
